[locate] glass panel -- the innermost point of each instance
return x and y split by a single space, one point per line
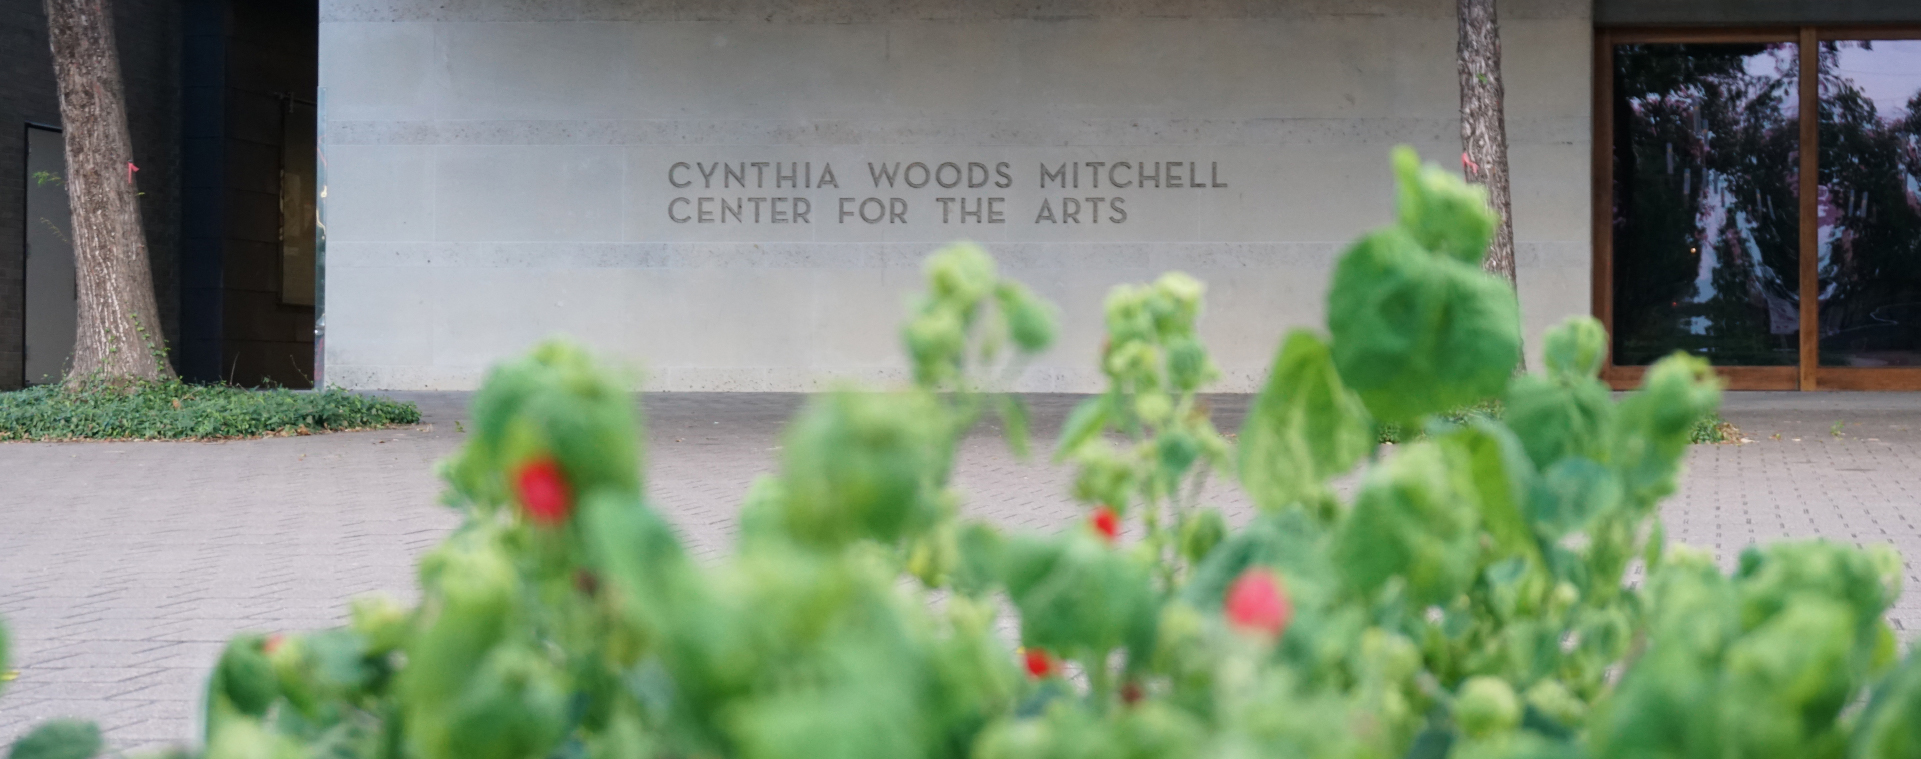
1706 220
53 297
297 204
1870 233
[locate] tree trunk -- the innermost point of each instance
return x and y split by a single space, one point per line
119 337
1484 129
1483 124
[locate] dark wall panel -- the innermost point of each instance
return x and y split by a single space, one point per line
245 59
26 95
203 212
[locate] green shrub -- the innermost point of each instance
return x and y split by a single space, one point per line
1708 429
175 410
1469 600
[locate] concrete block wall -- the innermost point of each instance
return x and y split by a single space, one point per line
500 171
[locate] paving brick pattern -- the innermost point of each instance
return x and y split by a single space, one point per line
125 566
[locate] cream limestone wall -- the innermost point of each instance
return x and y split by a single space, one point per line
654 177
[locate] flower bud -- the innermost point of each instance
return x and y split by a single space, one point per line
1486 706
1256 602
1040 664
1106 523
544 492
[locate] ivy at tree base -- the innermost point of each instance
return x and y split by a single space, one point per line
175 410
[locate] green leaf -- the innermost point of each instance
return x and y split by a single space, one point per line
1013 414
1063 730
1154 730
1486 706
1491 469
1176 303
980 561
471 589
1653 426
1084 424
1415 334
1077 596
1304 428
514 707
1409 521
1890 726
633 548
1188 367
59 739
318 669
1201 530
1432 743
1030 320
1443 213
381 622
245 677
1771 578
864 466
1574 349
1176 449
1571 494
1788 676
1557 419
961 272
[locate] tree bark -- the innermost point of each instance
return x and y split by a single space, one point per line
1484 125
119 338
1484 130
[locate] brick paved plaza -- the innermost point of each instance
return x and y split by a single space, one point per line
125 566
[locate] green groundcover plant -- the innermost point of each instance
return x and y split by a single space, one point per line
1499 587
175 410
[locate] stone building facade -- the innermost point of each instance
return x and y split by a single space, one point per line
737 195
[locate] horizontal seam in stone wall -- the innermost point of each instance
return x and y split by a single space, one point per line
1570 255
786 378
1107 132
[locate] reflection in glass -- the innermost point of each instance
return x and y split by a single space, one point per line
1870 233
1706 220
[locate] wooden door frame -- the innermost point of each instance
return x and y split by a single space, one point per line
1809 374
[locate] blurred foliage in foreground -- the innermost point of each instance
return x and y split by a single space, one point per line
1471 599
1710 428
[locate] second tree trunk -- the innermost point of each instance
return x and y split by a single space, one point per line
1483 126
119 337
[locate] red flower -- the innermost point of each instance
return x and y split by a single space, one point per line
543 491
1106 523
1131 693
1257 602
1039 663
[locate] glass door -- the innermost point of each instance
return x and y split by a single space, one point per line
1869 211
53 297
1717 234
